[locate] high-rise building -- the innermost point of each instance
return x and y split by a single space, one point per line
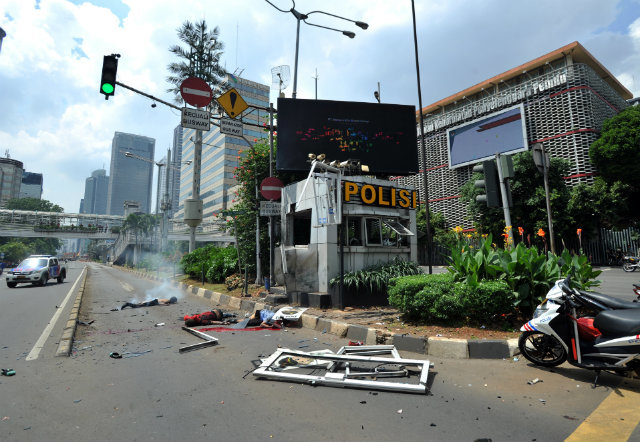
31 186
220 153
96 188
130 178
174 172
10 179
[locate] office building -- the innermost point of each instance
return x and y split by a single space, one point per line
96 189
175 171
130 177
563 96
31 186
10 179
220 152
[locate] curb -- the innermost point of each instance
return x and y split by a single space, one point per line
433 346
66 341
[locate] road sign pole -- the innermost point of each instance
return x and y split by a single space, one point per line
195 188
271 230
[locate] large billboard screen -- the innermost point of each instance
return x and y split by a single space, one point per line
503 132
381 136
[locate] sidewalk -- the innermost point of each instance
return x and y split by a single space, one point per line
433 346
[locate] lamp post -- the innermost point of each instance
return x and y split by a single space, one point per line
2 36
303 17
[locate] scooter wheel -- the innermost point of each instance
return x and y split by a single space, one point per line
628 267
542 349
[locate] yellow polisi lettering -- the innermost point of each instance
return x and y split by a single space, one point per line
376 195
372 194
381 200
349 190
404 198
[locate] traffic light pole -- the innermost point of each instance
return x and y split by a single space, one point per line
505 198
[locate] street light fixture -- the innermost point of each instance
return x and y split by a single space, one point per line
303 17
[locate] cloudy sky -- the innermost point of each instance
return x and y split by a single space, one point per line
54 120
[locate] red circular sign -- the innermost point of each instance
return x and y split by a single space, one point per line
196 92
271 188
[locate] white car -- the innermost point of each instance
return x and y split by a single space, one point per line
37 270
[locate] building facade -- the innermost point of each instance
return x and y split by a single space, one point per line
220 153
31 186
566 95
130 178
175 171
96 189
10 179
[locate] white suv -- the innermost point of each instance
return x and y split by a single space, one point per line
37 270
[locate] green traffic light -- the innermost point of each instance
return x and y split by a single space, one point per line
107 88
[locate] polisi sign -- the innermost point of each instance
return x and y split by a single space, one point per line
380 195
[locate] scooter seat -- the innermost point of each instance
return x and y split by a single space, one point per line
610 301
618 323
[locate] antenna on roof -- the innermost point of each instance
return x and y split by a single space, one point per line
280 75
6 153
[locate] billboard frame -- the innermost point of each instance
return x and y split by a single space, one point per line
493 155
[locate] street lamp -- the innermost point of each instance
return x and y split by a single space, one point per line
2 36
303 17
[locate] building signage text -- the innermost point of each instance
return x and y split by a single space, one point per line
380 195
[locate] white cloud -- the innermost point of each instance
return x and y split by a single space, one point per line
57 123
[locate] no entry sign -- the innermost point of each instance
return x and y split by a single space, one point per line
271 188
196 92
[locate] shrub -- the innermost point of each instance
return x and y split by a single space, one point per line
487 300
425 297
376 278
216 263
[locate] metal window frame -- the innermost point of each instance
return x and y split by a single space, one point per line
333 379
397 227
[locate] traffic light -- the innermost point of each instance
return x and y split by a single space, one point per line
490 184
108 81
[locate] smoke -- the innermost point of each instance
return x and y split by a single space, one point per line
164 291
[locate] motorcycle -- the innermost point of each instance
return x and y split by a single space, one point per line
630 263
555 334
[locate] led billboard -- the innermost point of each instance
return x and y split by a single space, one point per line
382 136
503 132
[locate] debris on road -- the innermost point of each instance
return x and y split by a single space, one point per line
8 372
209 340
115 355
150 303
85 323
350 367
534 381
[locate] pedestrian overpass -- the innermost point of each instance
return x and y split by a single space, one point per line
34 224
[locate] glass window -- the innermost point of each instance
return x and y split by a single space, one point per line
374 235
354 231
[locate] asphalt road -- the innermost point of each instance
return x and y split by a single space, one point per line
156 393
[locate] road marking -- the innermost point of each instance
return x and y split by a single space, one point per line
35 351
614 420
126 286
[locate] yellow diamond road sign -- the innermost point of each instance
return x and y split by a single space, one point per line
232 103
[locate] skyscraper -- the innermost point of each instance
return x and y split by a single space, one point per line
31 186
220 153
130 178
96 188
10 179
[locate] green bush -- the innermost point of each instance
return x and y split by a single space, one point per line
487 300
375 279
215 262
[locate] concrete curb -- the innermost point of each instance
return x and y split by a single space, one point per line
433 346
66 341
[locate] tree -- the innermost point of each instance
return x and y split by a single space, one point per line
44 246
33 204
528 195
134 223
616 155
200 59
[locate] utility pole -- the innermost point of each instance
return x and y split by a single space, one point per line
316 78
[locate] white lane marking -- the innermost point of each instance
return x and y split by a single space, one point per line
126 286
35 351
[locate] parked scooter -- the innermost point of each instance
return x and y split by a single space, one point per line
630 263
610 341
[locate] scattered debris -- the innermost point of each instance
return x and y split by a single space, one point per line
160 324
130 354
209 340
355 343
8 372
542 400
516 359
350 367
115 355
85 323
77 401
399 411
534 381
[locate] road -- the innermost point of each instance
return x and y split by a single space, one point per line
156 393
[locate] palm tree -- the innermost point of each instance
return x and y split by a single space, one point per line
200 59
134 223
